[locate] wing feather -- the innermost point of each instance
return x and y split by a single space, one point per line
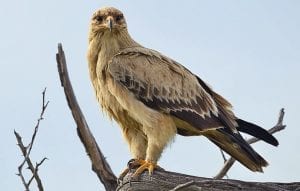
165 85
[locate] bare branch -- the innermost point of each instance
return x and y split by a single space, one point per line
44 107
228 164
183 185
20 167
223 155
36 169
27 150
166 181
99 164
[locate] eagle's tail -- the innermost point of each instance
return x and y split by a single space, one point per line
237 147
256 131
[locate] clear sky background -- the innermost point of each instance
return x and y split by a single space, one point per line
248 51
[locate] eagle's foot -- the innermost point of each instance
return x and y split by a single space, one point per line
146 165
133 163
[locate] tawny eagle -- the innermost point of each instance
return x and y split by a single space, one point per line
153 97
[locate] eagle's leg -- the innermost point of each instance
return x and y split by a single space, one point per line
138 145
158 137
150 163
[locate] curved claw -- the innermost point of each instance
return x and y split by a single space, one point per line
131 164
135 163
147 165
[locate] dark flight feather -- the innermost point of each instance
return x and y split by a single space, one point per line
256 131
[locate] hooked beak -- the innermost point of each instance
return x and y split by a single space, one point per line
110 23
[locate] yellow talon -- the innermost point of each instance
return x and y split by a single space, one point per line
142 166
147 165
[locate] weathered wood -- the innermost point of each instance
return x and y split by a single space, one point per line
99 164
171 181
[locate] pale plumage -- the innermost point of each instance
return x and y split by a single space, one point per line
153 97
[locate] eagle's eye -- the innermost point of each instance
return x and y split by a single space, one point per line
119 17
99 18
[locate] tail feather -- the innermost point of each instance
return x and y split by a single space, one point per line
256 131
237 147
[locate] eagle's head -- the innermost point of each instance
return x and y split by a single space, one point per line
108 20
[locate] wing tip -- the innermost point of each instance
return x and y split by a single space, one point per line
256 131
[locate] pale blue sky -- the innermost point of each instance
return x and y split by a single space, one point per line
248 51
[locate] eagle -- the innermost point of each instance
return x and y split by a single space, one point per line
152 98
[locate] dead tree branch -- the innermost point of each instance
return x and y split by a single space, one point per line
228 164
26 150
99 164
171 181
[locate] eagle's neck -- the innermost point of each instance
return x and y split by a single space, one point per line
103 46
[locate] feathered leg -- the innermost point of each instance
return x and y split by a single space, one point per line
137 142
158 137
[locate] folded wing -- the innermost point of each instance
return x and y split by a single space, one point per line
163 84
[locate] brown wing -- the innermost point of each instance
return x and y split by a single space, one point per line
164 85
